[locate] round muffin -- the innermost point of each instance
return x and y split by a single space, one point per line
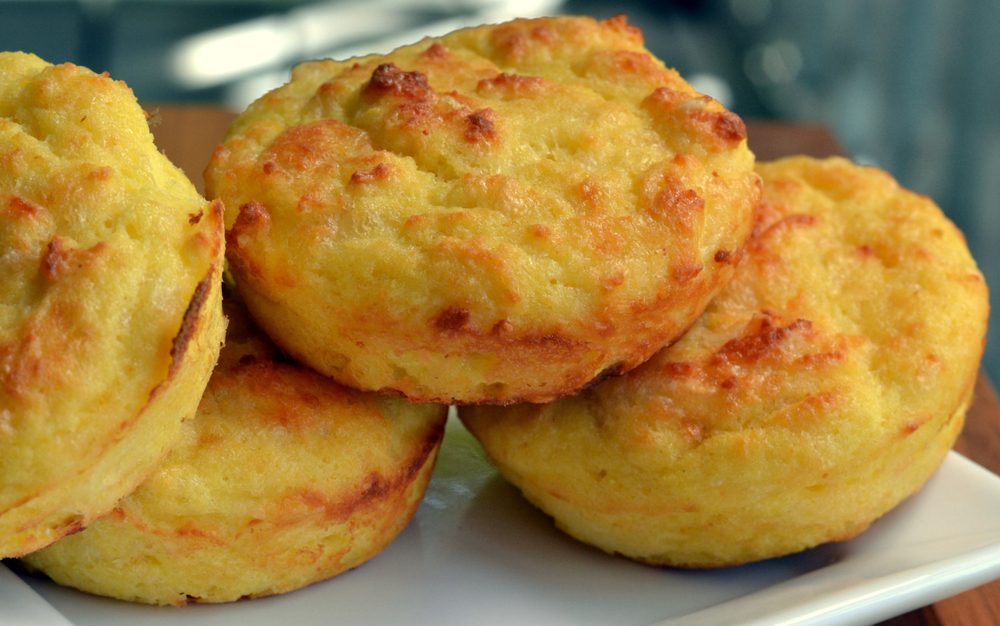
820 388
110 303
501 214
283 478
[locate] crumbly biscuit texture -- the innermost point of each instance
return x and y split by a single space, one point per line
502 213
110 311
821 387
284 478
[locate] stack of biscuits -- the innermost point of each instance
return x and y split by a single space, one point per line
680 355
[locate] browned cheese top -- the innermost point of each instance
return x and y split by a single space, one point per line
103 246
856 319
541 180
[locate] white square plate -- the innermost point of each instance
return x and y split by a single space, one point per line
476 553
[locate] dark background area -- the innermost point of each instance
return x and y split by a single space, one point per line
912 86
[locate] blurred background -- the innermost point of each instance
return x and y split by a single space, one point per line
909 85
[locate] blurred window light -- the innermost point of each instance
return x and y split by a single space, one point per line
206 60
224 54
227 54
775 63
713 85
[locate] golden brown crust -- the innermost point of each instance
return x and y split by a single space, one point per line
496 215
336 475
820 388
110 316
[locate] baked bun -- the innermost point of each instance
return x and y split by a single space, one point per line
823 386
284 478
110 311
500 214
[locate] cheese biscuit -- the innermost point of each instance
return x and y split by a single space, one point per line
504 213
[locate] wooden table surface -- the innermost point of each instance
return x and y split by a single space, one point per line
188 134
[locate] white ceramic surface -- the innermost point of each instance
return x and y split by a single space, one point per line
476 553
